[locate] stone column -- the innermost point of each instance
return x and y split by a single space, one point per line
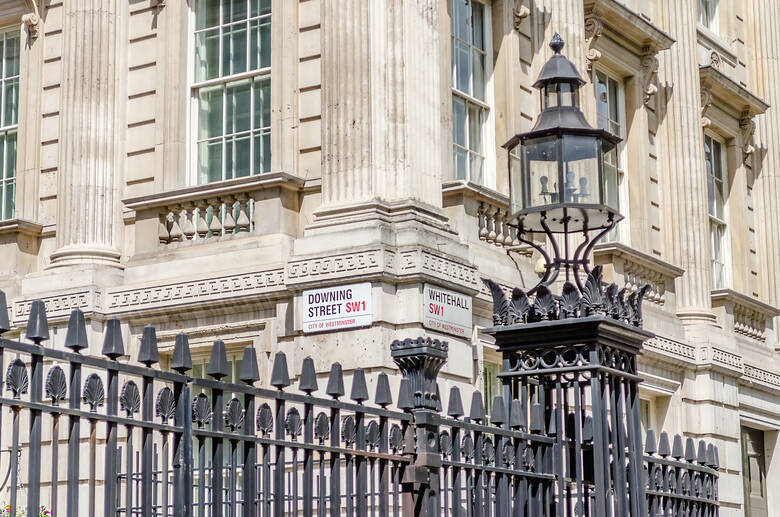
763 30
686 224
382 131
91 148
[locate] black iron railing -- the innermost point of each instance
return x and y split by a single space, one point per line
140 441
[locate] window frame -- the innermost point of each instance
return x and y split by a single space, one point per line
194 87
7 213
487 132
621 232
714 220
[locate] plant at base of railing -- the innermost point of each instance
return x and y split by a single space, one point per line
21 512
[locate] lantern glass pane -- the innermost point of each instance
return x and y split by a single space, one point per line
516 189
569 95
540 164
551 96
609 152
581 156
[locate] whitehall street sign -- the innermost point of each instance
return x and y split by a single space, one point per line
446 311
338 307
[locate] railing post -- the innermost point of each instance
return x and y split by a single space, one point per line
37 331
420 361
181 362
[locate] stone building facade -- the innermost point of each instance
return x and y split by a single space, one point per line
201 164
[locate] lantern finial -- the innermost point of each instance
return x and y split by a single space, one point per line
556 43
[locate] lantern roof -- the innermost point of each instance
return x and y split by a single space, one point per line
558 69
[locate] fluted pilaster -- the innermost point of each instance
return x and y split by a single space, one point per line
764 33
686 225
90 147
382 113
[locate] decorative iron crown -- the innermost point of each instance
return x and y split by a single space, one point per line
594 299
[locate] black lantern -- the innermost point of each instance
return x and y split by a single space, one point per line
561 185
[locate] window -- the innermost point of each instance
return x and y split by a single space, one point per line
716 205
233 362
471 62
708 14
610 115
754 472
232 89
9 106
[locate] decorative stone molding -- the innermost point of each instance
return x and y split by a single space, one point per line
747 126
638 269
705 98
715 60
716 357
198 291
729 96
649 65
669 347
364 262
635 33
753 373
60 306
746 315
380 262
593 31
519 14
32 20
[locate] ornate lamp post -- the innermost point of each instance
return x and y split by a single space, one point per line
571 358
561 185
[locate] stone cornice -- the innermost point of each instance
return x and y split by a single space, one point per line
730 96
765 378
23 226
453 187
217 189
737 298
669 350
749 314
628 26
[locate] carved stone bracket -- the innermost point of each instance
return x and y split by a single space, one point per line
593 30
747 126
32 20
706 102
649 66
519 14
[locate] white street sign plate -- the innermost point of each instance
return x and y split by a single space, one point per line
340 307
446 311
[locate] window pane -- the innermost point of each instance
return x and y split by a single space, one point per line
210 161
462 67
10 155
237 156
234 49
262 89
476 168
10 195
11 55
207 55
460 12
460 160
613 101
260 44
458 121
478 25
262 158
479 75
10 102
233 10
238 106
476 116
260 7
210 112
207 14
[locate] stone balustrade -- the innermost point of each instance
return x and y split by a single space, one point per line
262 204
745 315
